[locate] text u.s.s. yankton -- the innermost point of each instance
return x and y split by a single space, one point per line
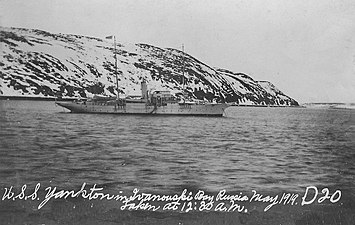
184 201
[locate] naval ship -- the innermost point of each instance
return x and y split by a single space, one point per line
150 103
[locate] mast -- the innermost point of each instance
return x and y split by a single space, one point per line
115 56
183 71
117 90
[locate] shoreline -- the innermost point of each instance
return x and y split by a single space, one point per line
36 98
28 98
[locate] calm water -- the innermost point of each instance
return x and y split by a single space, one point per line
261 148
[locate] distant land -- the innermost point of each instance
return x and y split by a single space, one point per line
41 65
334 105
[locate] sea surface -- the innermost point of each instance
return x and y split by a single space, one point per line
265 149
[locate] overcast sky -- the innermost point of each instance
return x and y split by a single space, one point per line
305 47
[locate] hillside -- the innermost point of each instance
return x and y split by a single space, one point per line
36 63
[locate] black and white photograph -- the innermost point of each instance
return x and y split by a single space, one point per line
181 112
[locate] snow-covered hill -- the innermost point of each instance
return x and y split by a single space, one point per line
36 63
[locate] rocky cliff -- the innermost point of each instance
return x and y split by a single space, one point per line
36 63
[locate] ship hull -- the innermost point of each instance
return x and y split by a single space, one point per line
144 109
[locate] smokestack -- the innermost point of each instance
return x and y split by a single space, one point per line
144 89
